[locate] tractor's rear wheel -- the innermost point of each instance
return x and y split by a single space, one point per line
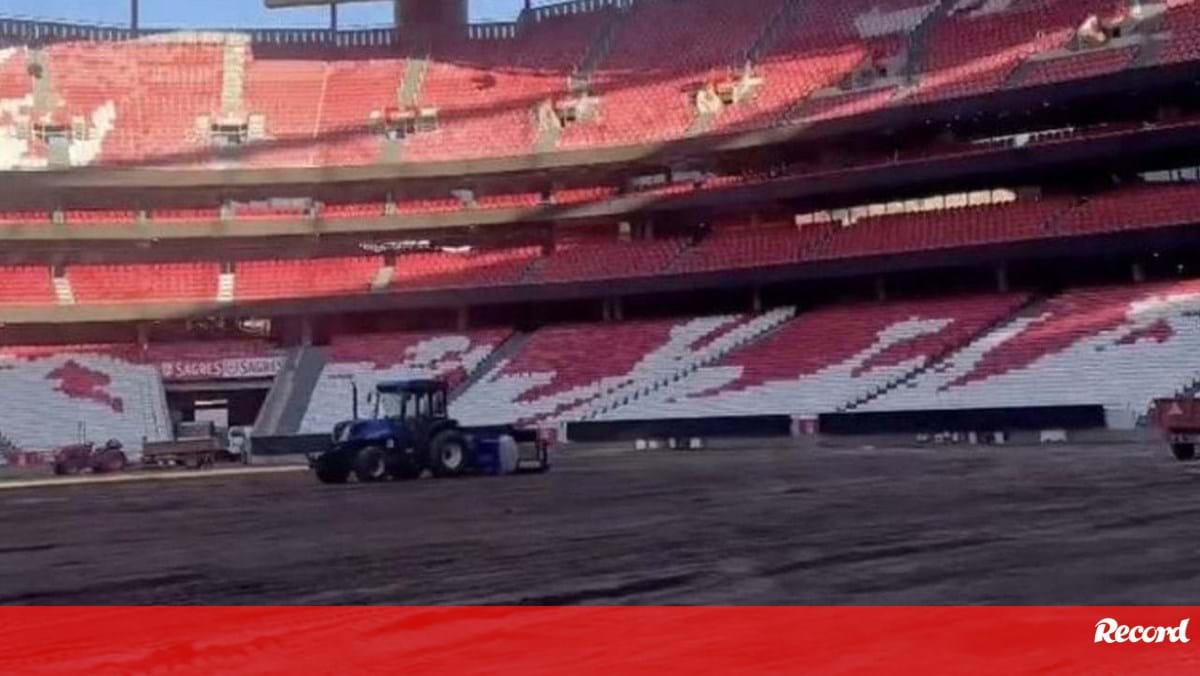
370 464
449 454
332 469
1184 452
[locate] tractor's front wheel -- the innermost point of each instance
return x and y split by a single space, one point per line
450 454
370 465
332 469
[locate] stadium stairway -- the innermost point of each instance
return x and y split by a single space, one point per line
415 69
599 50
514 344
746 334
44 98
283 409
918 40
233 75
1028 308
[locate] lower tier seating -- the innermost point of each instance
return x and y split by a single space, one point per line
370 359
59 396
825 359
1117 346
568 372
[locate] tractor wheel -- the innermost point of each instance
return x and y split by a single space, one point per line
370 464
404 467
1184 452
332 469
110 461
449 454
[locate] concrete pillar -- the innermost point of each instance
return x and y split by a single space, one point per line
463 318
1002 278
618 309
333 17
756 303
880 288
606 310
1139 273
143 335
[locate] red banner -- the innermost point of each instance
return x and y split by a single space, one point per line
607 640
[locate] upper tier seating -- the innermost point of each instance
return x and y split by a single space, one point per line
975 51
821 46
1115 346
161 282
948 228
474 268
1083 65
142 100
374 358
825 359
486 91
1183 24
741 246
257 280
599 256
660 56
1134 208
26 285
567 372
62 395
352 91
288 93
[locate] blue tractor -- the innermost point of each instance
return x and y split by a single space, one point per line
410 433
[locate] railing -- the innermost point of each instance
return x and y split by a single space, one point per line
538 14
47 32
506 30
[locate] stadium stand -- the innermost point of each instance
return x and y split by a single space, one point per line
1118 346
162 282
26 285
947 228
84 392
599 256
257 280
154 100
467 269
564 372
372 358
825 359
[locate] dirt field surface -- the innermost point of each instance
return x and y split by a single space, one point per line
1106 524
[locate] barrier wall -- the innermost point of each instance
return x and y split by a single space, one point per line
963 420
630 430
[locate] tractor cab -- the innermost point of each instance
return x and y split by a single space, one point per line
416 406
410 400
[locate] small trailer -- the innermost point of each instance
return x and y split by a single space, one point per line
198 453
1179 420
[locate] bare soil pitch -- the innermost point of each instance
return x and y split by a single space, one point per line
1063 525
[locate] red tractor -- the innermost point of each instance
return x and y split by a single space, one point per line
99 459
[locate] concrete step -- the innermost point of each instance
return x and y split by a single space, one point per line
383 278
226 286
63 291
